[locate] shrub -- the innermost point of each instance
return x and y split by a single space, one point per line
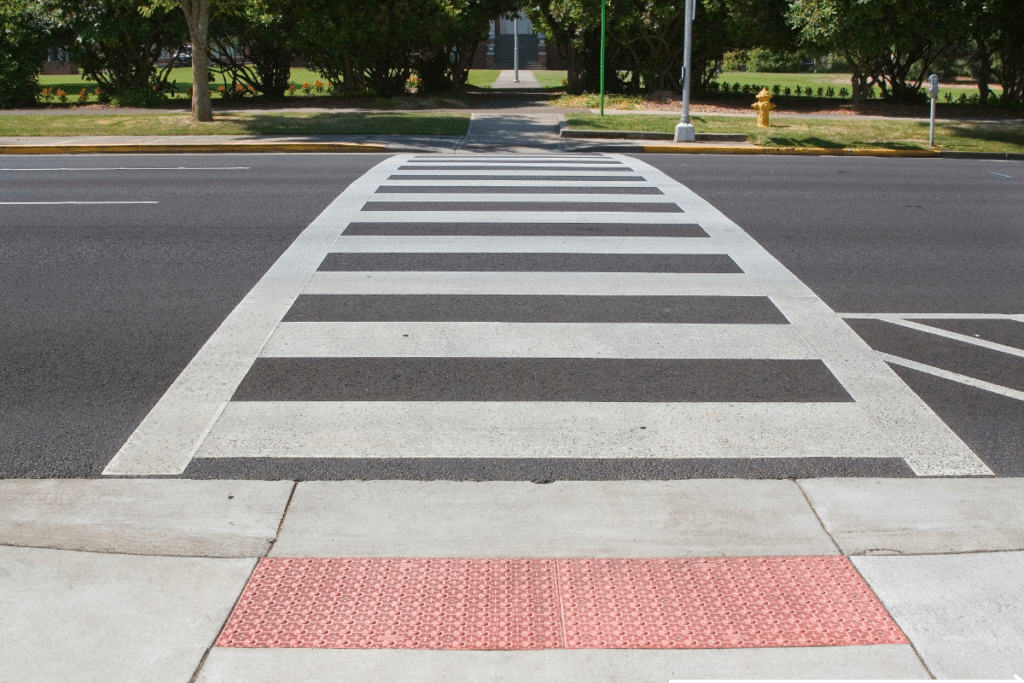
831 92
734 61
83 97
319 87
949 97
725 86
746 89
776 89
821 91
137 97
786 91
799 90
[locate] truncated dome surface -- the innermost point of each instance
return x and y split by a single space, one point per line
525 604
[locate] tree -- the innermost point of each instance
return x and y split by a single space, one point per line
25 32
645 38
888 43
254 43
997 28
118 46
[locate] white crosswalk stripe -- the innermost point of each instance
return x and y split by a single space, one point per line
563 381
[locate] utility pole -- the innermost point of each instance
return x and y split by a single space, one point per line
684 129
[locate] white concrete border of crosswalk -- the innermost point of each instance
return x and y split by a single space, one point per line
173 430
179 426
920 437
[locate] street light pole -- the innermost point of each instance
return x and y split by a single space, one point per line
515 46
684 129
602 57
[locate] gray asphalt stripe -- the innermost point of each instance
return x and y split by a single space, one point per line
718 310
538 379
532 262
514 189
544 469
947 354
525 229
524 206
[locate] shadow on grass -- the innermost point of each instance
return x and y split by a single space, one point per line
362 123
1010 133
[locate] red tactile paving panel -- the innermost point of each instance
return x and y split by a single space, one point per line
720 603
436 604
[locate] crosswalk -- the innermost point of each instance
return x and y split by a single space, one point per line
529 311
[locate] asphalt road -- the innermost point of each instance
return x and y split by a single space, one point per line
104 304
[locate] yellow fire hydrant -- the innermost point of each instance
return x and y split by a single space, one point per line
763 107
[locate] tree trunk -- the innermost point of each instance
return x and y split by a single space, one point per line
197 14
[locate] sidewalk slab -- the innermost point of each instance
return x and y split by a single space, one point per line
963 613
228 665
920 516
563 519
72 616
144 517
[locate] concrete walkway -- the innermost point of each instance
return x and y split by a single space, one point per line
121 580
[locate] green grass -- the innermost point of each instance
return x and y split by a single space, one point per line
482 78
181 78
237 123
551 79
844 132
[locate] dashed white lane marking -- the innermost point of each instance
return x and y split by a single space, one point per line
887 420
134 168
52 203
953 376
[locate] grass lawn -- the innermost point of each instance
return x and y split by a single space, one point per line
551 79
969 136
237 123
482 78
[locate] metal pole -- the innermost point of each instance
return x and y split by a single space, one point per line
515 46
602 56
933 92
684 129
931 126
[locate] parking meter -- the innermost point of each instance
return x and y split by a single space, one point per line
933 86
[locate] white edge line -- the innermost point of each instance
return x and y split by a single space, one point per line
952 376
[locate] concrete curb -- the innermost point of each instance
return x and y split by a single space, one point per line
645 135
374 148
193 148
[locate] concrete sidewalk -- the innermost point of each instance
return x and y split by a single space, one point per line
128 580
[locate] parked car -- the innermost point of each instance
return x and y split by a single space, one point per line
182 57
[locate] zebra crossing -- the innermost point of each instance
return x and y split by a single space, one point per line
560 313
